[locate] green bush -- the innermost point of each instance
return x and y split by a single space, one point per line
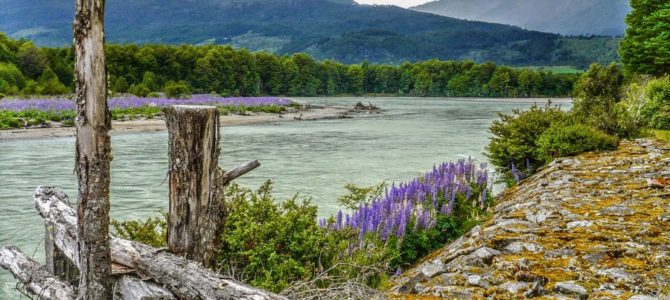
2 96
515 137
139 90
657 106
177 90
571 139
152 231
597 94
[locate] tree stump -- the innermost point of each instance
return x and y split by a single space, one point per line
195 217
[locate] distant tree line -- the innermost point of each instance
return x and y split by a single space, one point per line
29 70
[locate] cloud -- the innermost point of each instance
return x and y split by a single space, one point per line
401 3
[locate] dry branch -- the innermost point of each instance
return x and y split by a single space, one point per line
239 171
186 279
35 277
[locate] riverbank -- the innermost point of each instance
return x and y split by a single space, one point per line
158 124
588 226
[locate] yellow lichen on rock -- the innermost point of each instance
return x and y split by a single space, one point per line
584 227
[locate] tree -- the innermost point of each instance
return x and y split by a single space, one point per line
93 151
645 48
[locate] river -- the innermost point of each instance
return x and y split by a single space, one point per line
313 158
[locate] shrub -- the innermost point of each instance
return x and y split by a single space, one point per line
139 90
515 136
154 95
177 90
152 231
657 106
571 139
2 96
596 96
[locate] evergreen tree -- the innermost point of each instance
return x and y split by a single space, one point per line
646 47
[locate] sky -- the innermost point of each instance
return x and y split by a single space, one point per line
401 3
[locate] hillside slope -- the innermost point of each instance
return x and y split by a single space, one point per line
334 29
569 17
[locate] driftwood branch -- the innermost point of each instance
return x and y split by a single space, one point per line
239 171
186 279
35 277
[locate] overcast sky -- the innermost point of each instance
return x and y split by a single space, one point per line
402 3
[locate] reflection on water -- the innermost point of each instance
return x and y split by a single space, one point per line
313 158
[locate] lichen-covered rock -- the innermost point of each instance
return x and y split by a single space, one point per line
584 227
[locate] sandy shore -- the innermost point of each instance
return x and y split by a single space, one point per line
122 127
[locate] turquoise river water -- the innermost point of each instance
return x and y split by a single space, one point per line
313 158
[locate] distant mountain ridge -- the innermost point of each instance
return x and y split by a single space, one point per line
326 29
568 17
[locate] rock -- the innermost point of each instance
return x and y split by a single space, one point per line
477 280
517 247
617 211
537 217
579 224
433 268
619 275
571 288
514 287
664 217
642 297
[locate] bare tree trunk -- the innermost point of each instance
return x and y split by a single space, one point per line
93 151
195 218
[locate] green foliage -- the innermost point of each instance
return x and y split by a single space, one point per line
358 195
272 245
645 48
50 85
139 90
121 85
143 69
151 231
515 137
657 106
563 139
269 245
177 90
597 95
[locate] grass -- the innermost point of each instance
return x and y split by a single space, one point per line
557 69
663 135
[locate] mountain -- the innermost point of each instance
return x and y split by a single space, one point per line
326 29
568 17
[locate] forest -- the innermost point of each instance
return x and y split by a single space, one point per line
28 70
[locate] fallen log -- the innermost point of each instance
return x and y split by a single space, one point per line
186 279
36 277
131 287
239 171
54 206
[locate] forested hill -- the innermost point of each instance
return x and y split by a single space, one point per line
334 29
569 17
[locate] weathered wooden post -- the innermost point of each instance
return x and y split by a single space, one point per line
93 151
195 217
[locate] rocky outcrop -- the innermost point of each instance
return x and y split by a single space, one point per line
588 227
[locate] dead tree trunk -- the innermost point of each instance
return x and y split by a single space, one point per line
36 278
195 214
93 151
